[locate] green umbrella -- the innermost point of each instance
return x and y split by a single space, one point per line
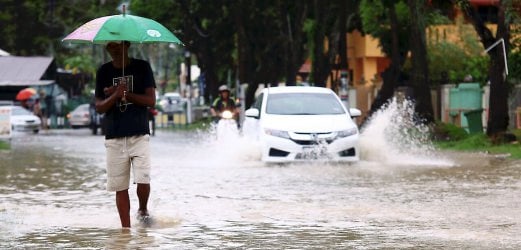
123 27
117 28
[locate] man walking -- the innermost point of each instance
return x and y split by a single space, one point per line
125 88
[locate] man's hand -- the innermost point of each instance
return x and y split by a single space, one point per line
109 90
121 90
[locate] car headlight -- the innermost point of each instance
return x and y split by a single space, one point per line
277 133
347 132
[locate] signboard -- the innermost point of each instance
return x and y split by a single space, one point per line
5 122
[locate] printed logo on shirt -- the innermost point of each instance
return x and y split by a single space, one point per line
130 84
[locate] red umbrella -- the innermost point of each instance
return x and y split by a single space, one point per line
25 94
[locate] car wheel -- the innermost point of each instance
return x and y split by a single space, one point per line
36 131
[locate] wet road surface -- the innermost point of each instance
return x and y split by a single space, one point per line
215 194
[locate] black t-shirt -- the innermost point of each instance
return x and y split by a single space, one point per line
130 119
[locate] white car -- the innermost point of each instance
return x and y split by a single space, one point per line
24 120
301 124
171 102
80 117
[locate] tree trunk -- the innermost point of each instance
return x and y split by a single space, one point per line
498 117
391 75
245 53
293 43
320 68
419 72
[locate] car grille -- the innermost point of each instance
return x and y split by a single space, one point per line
310 142
314 139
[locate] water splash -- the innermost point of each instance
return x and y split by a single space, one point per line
392 136
229 143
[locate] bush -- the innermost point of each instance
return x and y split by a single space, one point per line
448 132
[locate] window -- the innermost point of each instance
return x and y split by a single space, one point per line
303 104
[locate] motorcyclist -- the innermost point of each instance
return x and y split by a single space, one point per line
223 102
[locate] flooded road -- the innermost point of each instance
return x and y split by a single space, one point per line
211 194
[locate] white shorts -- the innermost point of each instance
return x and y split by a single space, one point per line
122 155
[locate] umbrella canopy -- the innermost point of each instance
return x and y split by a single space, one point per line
134 29
25 94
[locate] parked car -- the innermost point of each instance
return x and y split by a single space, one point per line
80 117
302 124
24 120
171 102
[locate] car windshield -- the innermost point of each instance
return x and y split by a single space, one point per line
20 111
303 104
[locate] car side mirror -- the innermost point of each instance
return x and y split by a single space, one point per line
253 112
355 112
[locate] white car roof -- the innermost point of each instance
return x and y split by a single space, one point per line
296 89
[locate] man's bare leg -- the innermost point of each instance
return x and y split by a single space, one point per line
123 205
143 192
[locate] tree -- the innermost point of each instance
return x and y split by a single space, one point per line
293 36
419 71
246 39
327 28
205 30
497 123
393 40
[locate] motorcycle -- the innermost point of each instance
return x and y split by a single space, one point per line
227 125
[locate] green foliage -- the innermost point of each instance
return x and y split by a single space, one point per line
448 132
374 15
476 66
82 63
514 67
514 58
457 58
445 57
436 18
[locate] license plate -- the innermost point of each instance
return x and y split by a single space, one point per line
313 153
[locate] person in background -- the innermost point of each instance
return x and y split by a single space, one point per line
44 109
37 110
125 100
223 102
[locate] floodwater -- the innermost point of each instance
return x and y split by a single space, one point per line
212 193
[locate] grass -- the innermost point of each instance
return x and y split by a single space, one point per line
201 124
481 143
4 145
451 138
